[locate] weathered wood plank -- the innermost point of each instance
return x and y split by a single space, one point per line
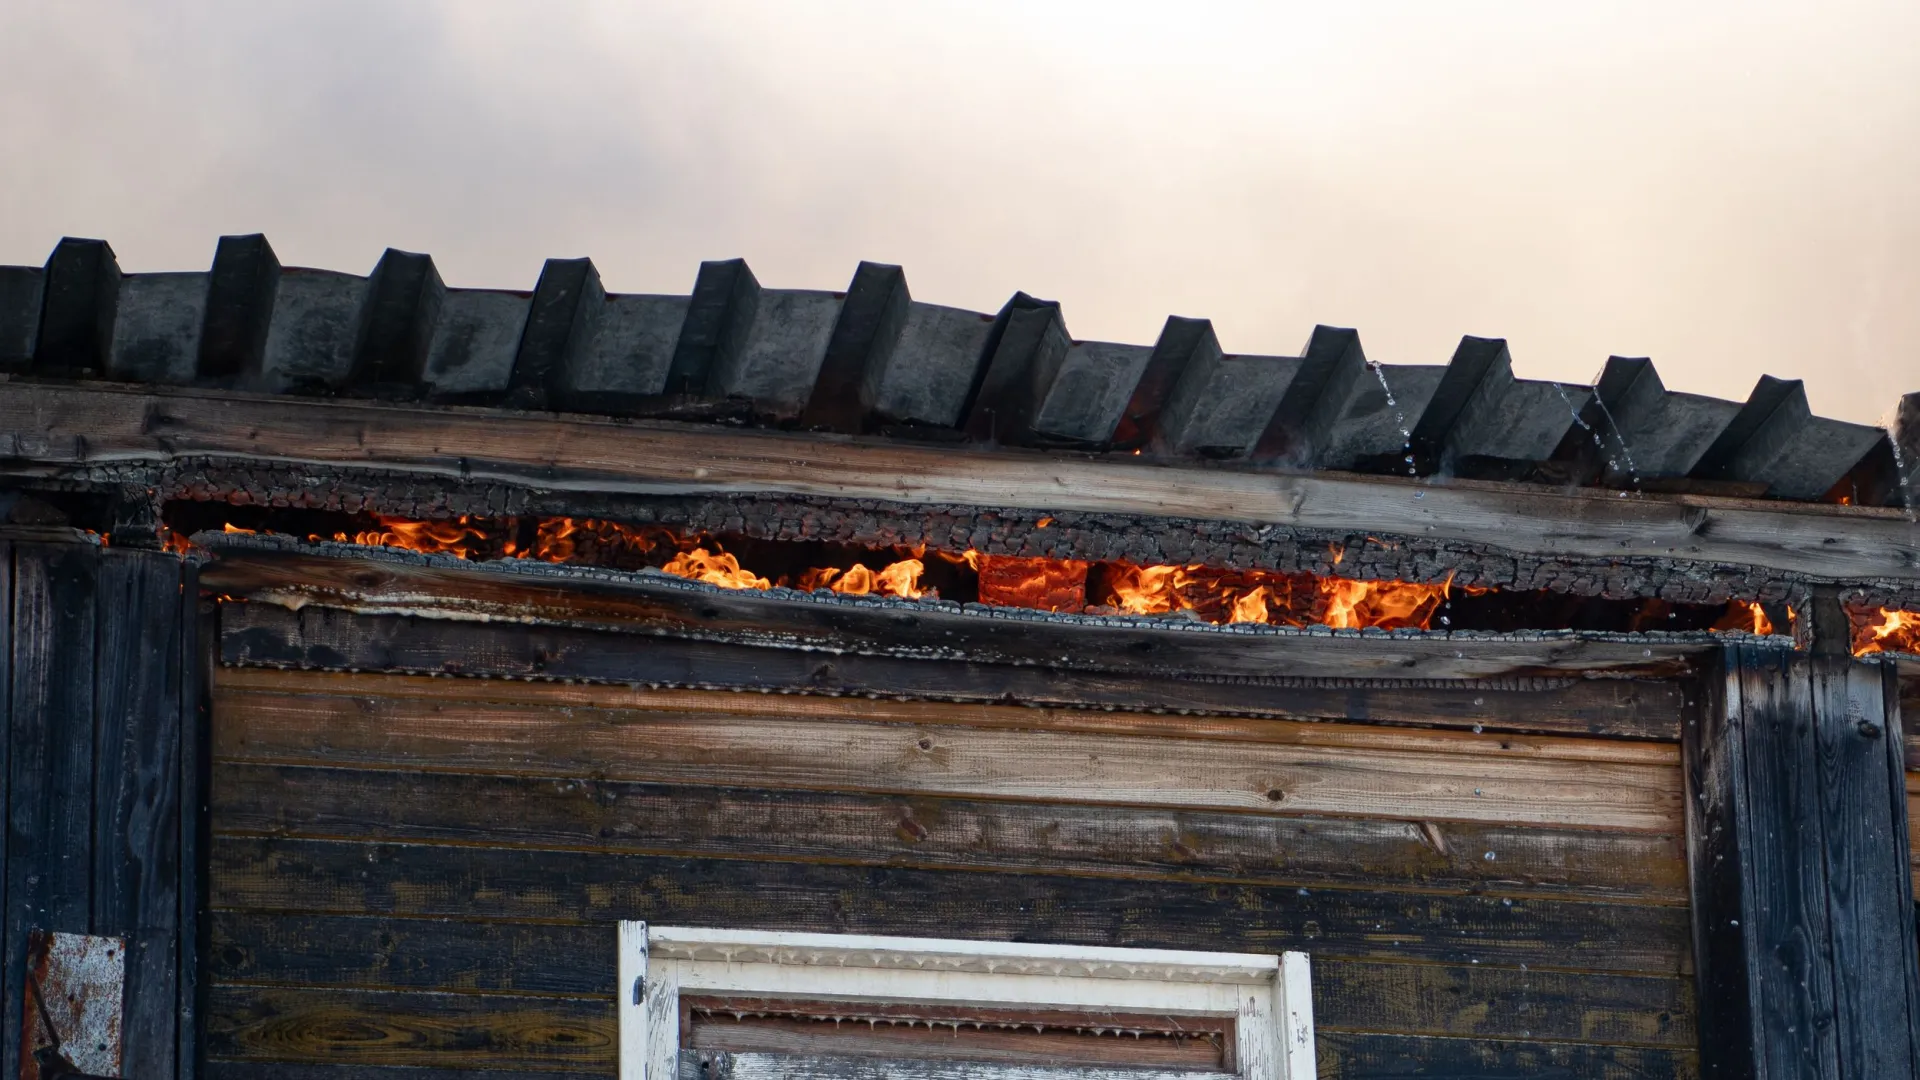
136 840
424 1029
249 686
608 815
267 569
1348 1054
375 953
50 790
282 1070
334 639
200 655
1341 775
1870 903
1503 1003
348 878
61 427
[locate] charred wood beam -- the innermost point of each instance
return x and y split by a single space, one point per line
267 569
59 430
326 638
1802 896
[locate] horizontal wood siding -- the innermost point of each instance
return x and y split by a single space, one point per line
414 874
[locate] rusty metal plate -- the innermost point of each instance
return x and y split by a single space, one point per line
71 1024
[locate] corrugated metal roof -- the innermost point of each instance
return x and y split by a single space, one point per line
872 360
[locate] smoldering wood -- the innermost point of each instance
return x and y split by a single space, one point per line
275 570
435 881
62 429
326 638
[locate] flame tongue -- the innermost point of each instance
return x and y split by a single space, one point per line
1887 630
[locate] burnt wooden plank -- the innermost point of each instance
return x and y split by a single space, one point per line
50 766
341 877
374 953
930 832
136 774
369 579
284 1070
424 1029
1503 1003
380 953
1803 894
327 638
200 655
60 427
1869 894
1345 1054
1304 769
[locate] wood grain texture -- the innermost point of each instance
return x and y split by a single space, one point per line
1303 769
1346 1054
419 1029
327 638
347 878
365 580
934 832
284 1070
1869 893
376 953
58 428
50 760
136 814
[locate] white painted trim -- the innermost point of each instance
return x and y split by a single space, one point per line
1268 997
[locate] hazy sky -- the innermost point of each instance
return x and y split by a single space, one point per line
1729 188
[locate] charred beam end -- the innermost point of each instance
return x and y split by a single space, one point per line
233 337
871 319
1140 420
1647 432
1329 367
1474 361
156 328
1222 403
402 307
719 316
1083 396
1775 439
565 304
21 288
1024 350
81 292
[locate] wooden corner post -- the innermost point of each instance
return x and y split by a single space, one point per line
1803 916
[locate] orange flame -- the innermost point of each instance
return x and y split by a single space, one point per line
458 537
901 579
1272 598
1749 617
715 568
1887 630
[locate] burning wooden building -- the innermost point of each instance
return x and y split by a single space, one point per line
407 682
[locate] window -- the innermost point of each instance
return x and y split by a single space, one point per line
700 1004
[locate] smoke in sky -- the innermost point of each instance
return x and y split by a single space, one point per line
1730 188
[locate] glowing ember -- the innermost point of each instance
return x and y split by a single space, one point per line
1886 630
1272 598
1041 584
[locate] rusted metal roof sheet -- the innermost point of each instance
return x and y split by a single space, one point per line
873 360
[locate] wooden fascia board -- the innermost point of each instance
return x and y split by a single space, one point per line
47 428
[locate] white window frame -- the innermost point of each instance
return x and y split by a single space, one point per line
1268 997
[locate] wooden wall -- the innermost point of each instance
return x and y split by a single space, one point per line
93 696
412 875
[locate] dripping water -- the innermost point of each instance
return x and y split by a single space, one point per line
1399 417
1599 442
1902 478
1626 452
